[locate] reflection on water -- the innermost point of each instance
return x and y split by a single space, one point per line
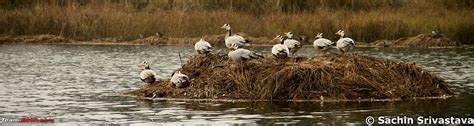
74 83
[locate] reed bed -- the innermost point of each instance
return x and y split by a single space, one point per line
365 21
422 40
39 39
330 77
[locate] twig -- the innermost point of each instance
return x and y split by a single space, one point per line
180 60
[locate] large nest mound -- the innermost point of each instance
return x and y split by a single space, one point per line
331 77
38 39
421 40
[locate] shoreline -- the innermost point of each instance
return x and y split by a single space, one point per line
215 40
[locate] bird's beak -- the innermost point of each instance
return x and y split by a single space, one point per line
141 66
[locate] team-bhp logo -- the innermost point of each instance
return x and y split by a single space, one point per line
27 120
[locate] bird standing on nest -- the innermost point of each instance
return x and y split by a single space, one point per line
344 44
322 44
279 50
235 39
436 33
203 47
292 44
179 80
240 55
147 75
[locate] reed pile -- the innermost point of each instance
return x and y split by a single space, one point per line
421 40
329 77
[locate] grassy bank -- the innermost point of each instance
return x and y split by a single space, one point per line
367 20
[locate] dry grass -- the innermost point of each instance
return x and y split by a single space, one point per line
421 40
212 39
39 39
331 77
366 21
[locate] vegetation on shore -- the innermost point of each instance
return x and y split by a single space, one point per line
364 20
422 40
330 77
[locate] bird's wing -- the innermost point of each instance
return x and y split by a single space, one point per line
245 53
236 38
275 49
348 41
279 48
291 43
344 42
204 46
319 43
178 78
328 42
208 45
142 75
174 79
242 38
147 73
198 46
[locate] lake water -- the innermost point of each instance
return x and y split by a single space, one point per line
77 83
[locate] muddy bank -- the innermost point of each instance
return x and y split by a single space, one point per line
150 40
330 77
212 39
421 40
38 39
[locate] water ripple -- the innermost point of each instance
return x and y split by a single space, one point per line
68 83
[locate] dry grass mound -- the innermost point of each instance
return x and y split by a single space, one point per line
38 39
108 40
330 77
421 40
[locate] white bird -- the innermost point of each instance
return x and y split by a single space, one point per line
436 33
344 44
239 55
322 44
279 50
147 75
179 80
202 46
231 38
292 44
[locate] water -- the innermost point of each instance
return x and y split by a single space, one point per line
74 83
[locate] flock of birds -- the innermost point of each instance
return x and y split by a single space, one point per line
286 46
